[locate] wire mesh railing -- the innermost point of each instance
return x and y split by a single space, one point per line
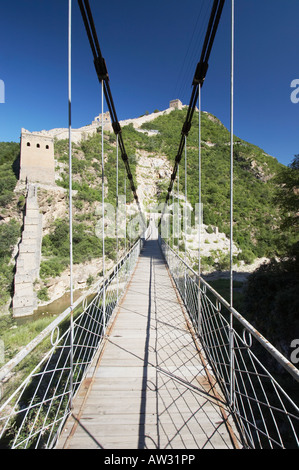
33 415
241 358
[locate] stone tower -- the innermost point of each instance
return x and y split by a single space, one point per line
37 163
176 104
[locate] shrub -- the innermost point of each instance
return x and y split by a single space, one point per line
43 294
9 234
52 267
247 255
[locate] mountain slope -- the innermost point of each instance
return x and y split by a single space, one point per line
256 216
151 148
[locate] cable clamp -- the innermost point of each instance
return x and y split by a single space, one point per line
200 73
186 128
101 68
116 127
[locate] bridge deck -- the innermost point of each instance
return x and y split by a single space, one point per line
149 386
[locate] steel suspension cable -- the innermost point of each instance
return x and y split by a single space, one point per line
187 52
102 73
198 80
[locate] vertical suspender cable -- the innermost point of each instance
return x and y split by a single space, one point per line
231 205
185 220
70 199
231 155
117 212
173 220
125 189
103 215
186 213
199 211
178 221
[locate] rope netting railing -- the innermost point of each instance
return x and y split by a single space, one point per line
266 414
33 415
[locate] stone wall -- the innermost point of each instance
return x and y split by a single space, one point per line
78 134
29 256
176 104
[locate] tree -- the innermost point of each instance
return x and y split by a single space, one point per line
271 299
288 195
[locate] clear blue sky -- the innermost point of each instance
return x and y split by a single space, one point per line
146 45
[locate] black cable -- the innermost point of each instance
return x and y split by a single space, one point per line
102 73
198 80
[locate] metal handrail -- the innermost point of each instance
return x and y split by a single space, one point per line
21 355
288 366
34 414
266 414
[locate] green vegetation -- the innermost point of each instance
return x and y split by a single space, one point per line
10 231
271 301
43 294
87 182
264 212
222 286
287 198
256 216
9 234
265 219
9 162
55 247
87 168
15 337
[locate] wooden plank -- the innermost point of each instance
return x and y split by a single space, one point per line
149 388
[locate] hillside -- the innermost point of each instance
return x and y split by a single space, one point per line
151 145
256 215
11 206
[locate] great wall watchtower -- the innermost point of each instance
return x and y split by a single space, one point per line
176 104
37 158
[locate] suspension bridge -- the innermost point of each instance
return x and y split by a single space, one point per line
150 387
152 357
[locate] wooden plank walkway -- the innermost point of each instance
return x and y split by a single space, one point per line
149 388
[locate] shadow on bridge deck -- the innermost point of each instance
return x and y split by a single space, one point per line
149 387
